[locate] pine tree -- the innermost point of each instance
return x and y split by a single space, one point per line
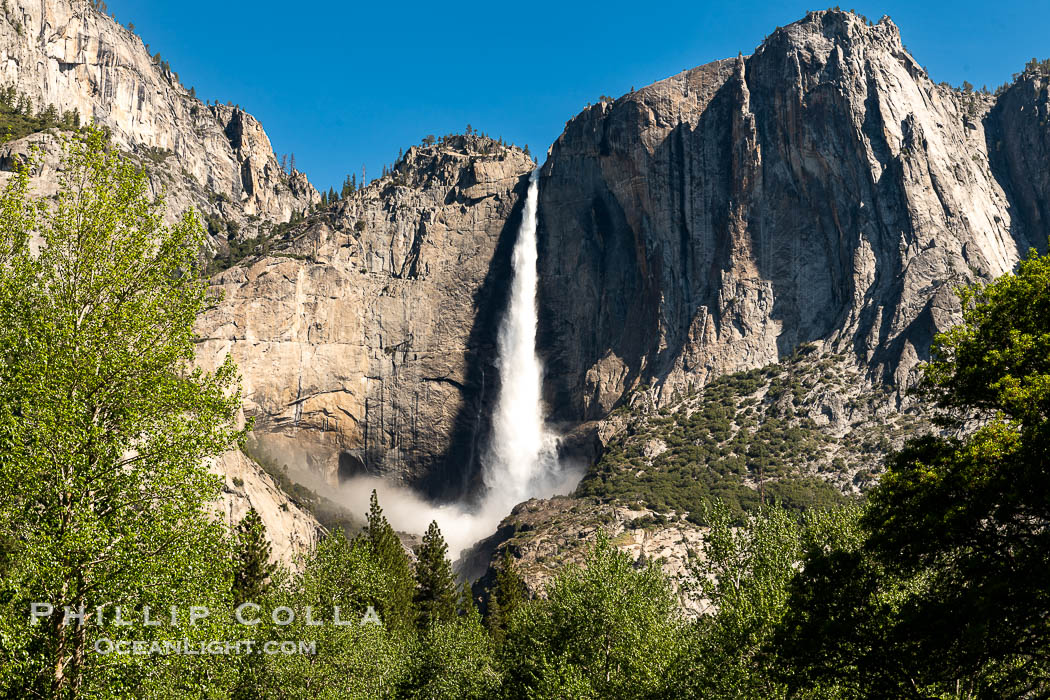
398 610
331 195
251 566
291 164
251 573
50 115
436 594
507 595
467 606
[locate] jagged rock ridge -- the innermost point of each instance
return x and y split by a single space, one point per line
216 159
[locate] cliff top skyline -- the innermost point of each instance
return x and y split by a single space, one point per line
344 92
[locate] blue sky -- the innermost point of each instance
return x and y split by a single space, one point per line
346 84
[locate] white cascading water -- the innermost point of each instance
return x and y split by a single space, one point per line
522 459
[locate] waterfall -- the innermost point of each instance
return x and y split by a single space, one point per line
521 461
522 458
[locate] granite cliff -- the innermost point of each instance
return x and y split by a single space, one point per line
216 159
821 195
821 189
366 335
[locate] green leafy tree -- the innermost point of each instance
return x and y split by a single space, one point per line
837 636
948 596
604 631
397 605
456 659
436 594
361 658
973 514
105 425
252 569
745 570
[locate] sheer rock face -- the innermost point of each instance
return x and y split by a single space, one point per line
367 339
216 159
1019 148
822 189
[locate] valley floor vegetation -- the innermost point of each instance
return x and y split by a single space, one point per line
935 587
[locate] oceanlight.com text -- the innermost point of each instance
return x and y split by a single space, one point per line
185 647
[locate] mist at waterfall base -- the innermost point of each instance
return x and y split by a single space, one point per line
522 459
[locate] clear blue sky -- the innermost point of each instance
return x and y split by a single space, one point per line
342 84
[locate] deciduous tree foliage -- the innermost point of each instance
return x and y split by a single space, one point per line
746 570
949 593
605 631
105 425
973 514
352 660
